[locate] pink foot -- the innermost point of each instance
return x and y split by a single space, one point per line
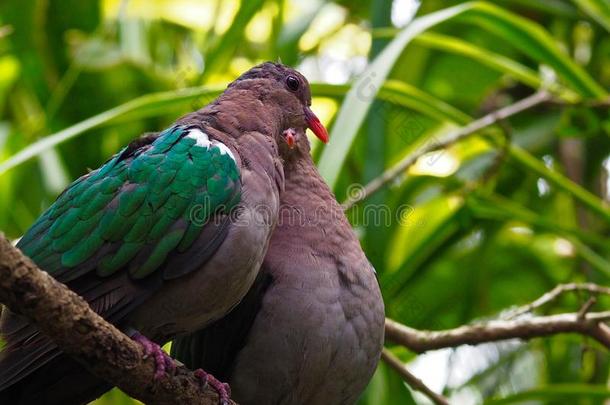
223 389
163 363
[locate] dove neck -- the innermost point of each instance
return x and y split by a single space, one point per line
305 188
238 111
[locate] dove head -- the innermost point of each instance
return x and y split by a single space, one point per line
286 89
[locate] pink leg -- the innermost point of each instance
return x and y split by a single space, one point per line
223 389
163 363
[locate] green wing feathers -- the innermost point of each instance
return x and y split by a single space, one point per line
146 202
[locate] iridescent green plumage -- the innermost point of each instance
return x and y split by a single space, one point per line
137 209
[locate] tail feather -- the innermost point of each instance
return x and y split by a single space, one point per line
62 381
16 363
25 351
33 370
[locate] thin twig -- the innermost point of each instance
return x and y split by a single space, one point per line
414 382
421 341
556 293
595 103
492 118
582 312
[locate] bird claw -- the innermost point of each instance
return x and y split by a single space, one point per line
163 363
223 389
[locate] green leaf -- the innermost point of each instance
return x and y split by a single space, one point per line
495 61
408 96
553 7
535 42
156 101
422 229
401 94
599 10
501 209
220 54
581 194
565 393
386 388
524 34
361 95
291 33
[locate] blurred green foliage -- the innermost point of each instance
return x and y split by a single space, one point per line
489 223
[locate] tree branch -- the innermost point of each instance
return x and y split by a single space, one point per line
410 379
104 350
556 293
588 324
583 322
492 118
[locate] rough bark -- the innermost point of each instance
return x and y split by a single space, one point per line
587 324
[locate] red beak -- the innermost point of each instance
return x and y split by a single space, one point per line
315 125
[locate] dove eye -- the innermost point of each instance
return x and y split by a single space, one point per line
292 83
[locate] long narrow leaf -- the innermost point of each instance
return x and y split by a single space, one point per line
599 10
156 103
523 34
360 97
561 392
493 60
220 54
560 181
486 57
404 95
156 100
535 42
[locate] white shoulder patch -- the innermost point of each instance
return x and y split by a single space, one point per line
201 137
203 140
225 150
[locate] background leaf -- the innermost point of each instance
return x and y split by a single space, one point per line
463 235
